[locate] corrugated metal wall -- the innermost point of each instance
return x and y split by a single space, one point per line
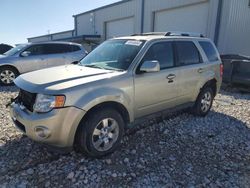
54 36
234 22
62 35
152 7
95 22
234 34
40 39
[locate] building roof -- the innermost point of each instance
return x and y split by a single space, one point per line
48 35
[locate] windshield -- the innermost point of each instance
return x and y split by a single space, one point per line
113 55
13 51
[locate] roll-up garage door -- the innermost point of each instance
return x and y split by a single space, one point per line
192 18
119 28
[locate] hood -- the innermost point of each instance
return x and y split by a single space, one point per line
61 78
3 57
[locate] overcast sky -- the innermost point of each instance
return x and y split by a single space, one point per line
21 19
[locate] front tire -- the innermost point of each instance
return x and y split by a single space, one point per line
7 75
101 133
203 102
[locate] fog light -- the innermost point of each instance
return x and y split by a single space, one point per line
42 132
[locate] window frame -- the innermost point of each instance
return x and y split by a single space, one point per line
137 69
31 46
59 47
177 57
213 48
74 46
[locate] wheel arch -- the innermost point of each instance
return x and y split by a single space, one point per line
108 104
11 66
211 83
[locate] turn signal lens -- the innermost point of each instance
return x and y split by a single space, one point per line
221 70
59 102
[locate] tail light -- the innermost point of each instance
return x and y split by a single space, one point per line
221 70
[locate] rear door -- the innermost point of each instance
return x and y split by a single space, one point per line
191 66
57 54
76 53
157 91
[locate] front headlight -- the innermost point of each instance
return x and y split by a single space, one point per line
45 103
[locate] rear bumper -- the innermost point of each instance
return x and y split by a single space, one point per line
56 128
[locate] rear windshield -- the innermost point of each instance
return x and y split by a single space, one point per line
209 50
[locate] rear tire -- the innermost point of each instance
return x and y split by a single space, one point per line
8 75
101 133
203 102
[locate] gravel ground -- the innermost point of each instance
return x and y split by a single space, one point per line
177 150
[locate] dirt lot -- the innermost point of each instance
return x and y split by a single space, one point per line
173 151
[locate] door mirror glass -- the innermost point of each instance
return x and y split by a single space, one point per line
150 66
25 54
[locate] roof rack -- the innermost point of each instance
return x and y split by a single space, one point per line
171 33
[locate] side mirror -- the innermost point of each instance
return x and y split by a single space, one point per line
150 66
75 62
25 54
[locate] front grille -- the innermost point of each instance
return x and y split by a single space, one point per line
26 99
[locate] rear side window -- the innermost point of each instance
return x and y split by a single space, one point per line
57 48
187 53
209 50
75 48
162 52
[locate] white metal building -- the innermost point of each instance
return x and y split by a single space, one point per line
227 22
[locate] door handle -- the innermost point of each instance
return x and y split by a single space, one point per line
200 70
171 76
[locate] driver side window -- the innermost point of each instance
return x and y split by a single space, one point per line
36 50
161 52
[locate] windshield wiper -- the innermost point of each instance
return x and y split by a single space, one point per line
114 69
104 68
94 66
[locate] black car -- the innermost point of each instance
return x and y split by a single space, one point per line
236 70
4 48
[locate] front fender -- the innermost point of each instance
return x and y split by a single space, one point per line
102 95
9 63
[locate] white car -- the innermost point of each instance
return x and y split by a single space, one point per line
34 56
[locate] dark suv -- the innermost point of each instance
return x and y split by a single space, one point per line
4 48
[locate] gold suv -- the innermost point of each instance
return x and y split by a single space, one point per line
88 105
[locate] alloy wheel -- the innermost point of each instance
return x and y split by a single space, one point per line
206 102
105 134
7 76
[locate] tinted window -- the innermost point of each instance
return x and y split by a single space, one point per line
187 53
75 48
4 48
35 50
162 52
209 51
57 48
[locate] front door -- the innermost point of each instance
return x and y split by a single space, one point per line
157 91
36 59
